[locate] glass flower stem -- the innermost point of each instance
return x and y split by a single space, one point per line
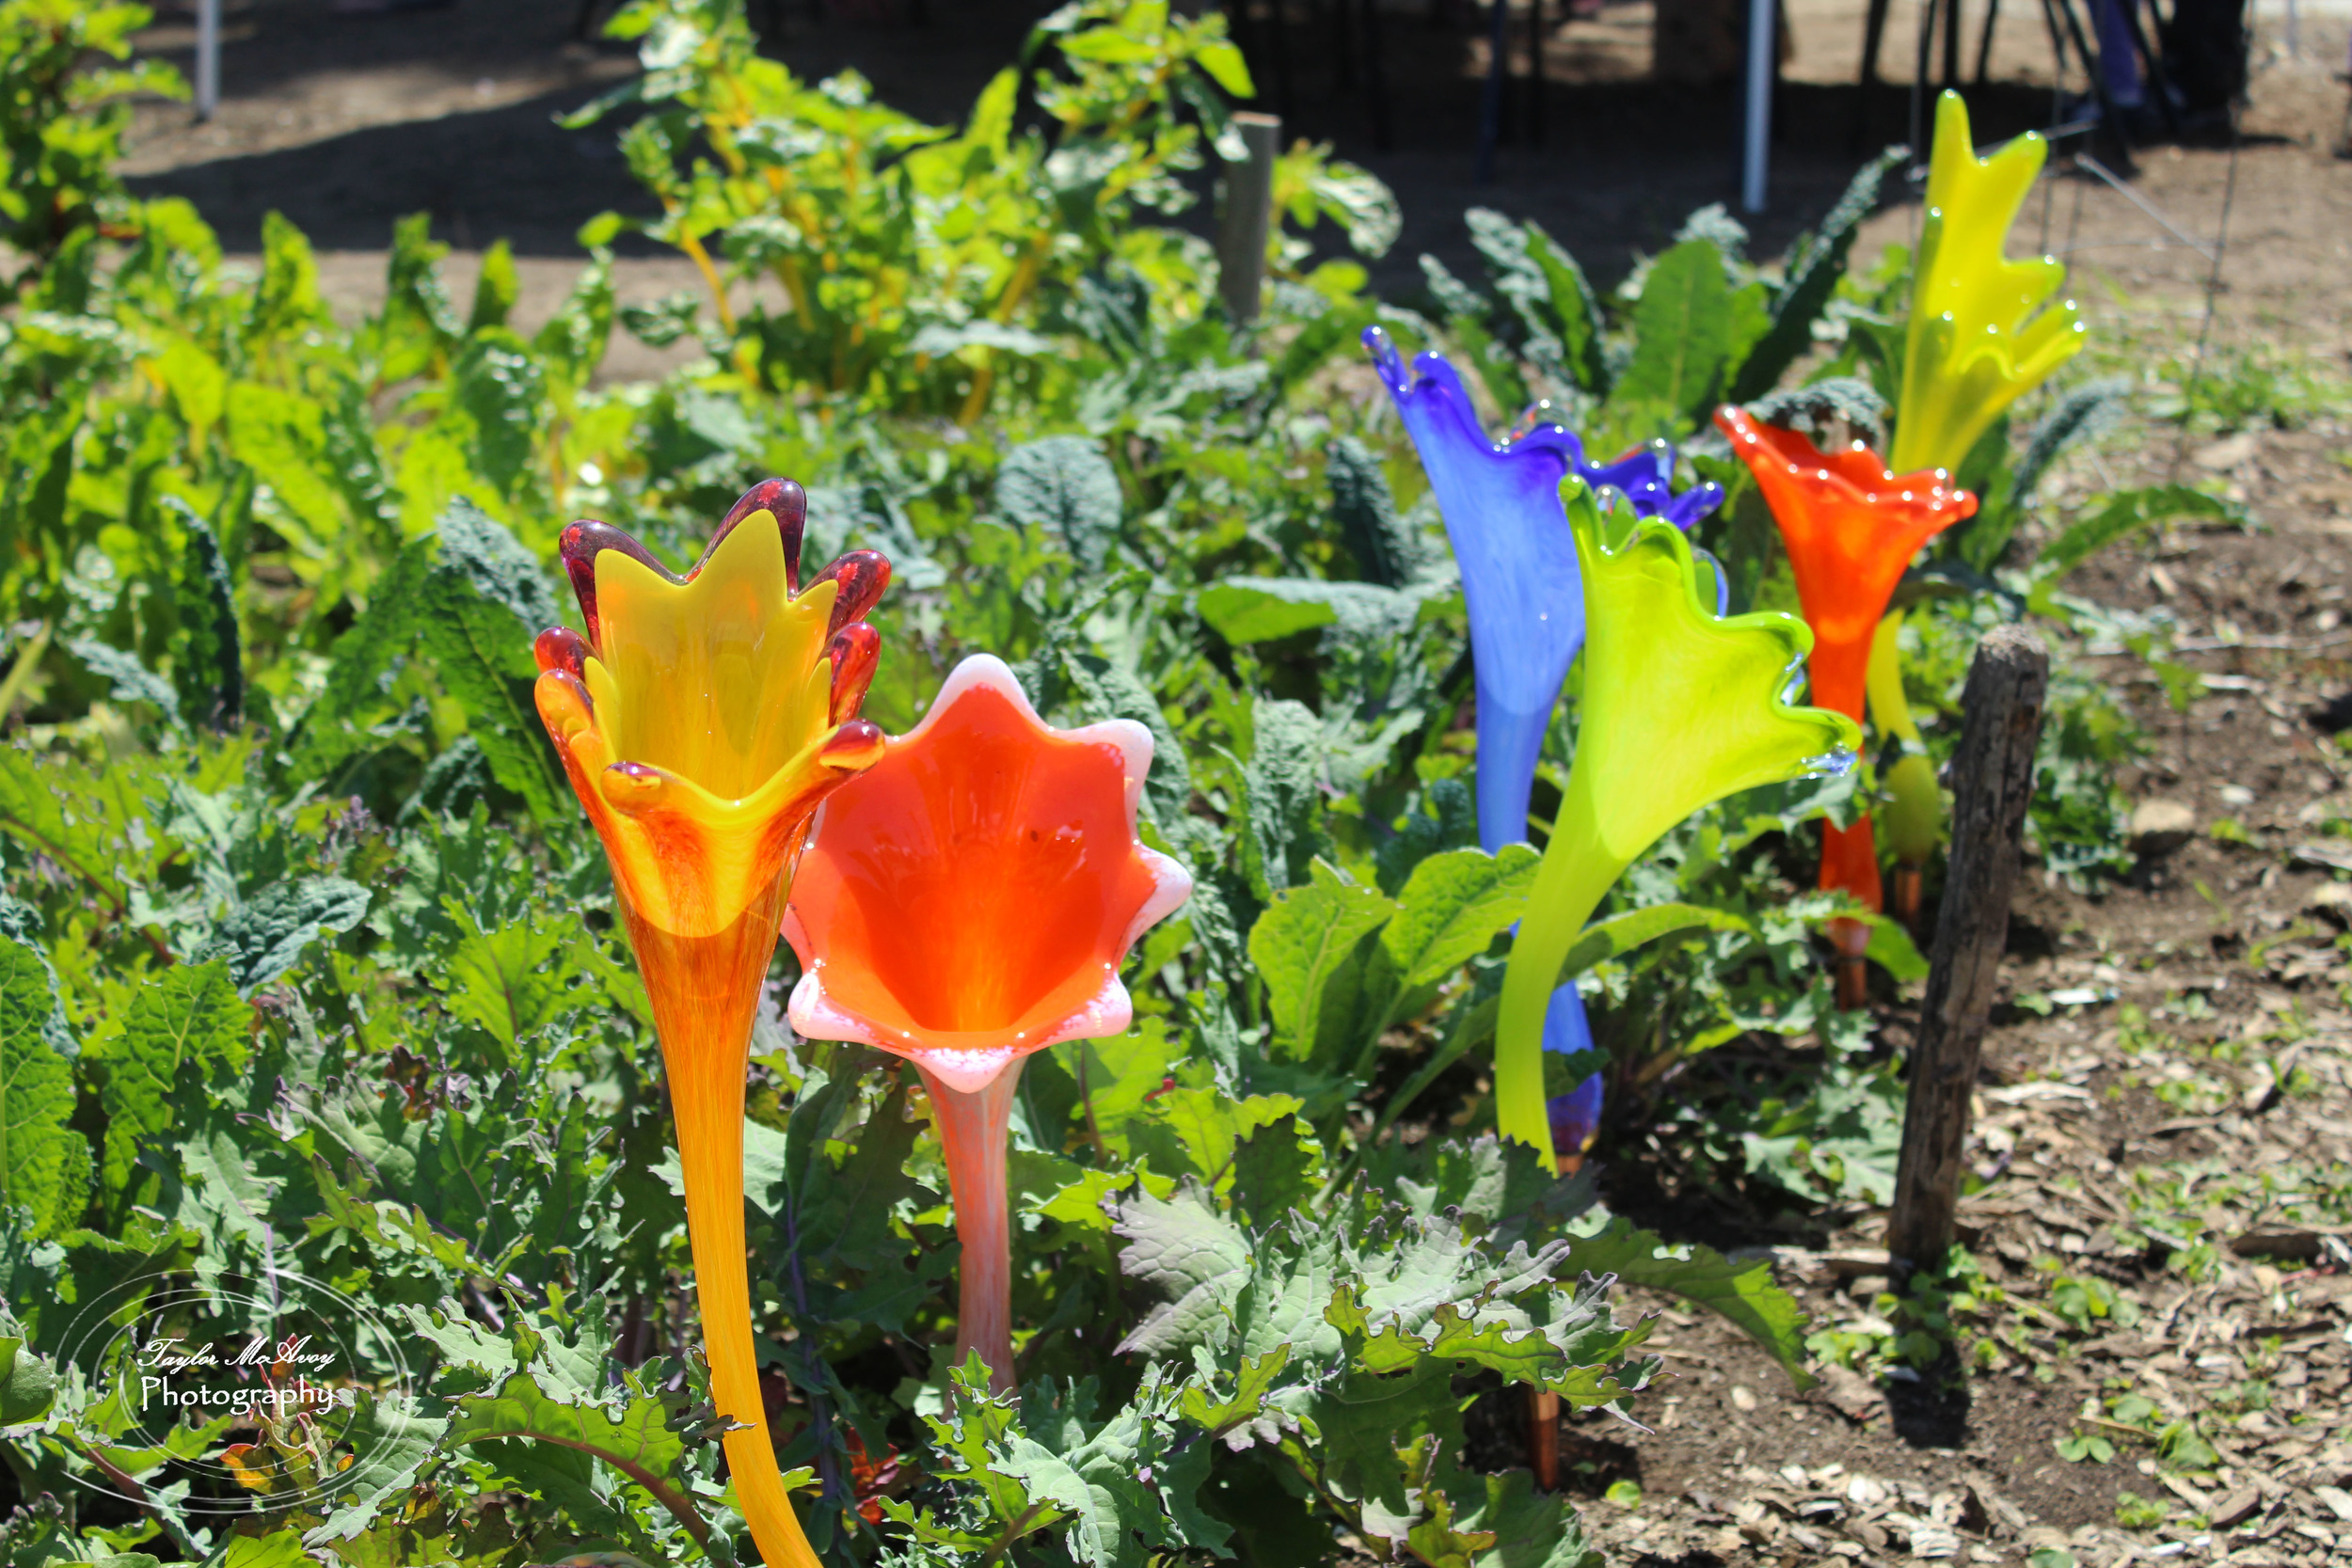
973 1127
1577 873
704 991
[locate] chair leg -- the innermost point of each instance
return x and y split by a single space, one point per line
1376 81
2108 116
2158 81
2058 42
1951 43
1923 69
1873 35
1984 41
1490 102
1536 73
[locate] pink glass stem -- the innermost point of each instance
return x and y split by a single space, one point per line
972 1128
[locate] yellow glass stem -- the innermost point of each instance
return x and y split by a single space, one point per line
704 991
1889 708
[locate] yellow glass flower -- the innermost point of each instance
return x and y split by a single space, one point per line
1976 343
701 721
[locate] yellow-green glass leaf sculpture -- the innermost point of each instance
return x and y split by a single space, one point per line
1979 337
1681 707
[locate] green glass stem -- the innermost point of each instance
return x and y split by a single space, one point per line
1577 873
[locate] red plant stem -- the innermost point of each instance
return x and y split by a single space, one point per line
972 1129
1906 897
1543 1438
1851 938
705 992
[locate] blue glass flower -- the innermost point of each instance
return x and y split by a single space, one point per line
1510 534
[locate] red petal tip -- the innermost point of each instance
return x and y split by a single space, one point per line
855 747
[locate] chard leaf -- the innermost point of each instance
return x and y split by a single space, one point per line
1325 974
1065 486
186 1027
631 1430
1682 328
44 1164
1453 906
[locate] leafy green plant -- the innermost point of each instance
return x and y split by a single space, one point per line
301 973
1694 326
62 116
920 266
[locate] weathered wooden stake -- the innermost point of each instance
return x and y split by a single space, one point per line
1249 218
1992 782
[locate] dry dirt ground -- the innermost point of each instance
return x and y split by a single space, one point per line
2169 1071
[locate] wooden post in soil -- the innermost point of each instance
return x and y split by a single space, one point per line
1991 782
1248 221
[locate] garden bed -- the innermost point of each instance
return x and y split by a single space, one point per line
312 973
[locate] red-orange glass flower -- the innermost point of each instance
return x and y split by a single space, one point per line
701 721
968 901
1851 526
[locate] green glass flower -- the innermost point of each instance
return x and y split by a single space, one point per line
1681 708
1976 343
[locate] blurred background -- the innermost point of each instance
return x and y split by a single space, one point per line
1613 118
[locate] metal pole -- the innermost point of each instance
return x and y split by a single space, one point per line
1754 165
207 58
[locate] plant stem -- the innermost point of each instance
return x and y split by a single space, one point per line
972 1129
696 252
704 991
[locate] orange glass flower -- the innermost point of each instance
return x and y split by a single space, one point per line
1851 526
701 721
966 902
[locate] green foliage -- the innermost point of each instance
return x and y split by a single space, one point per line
307 968
62 117
921 266
44 1164
1697 325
